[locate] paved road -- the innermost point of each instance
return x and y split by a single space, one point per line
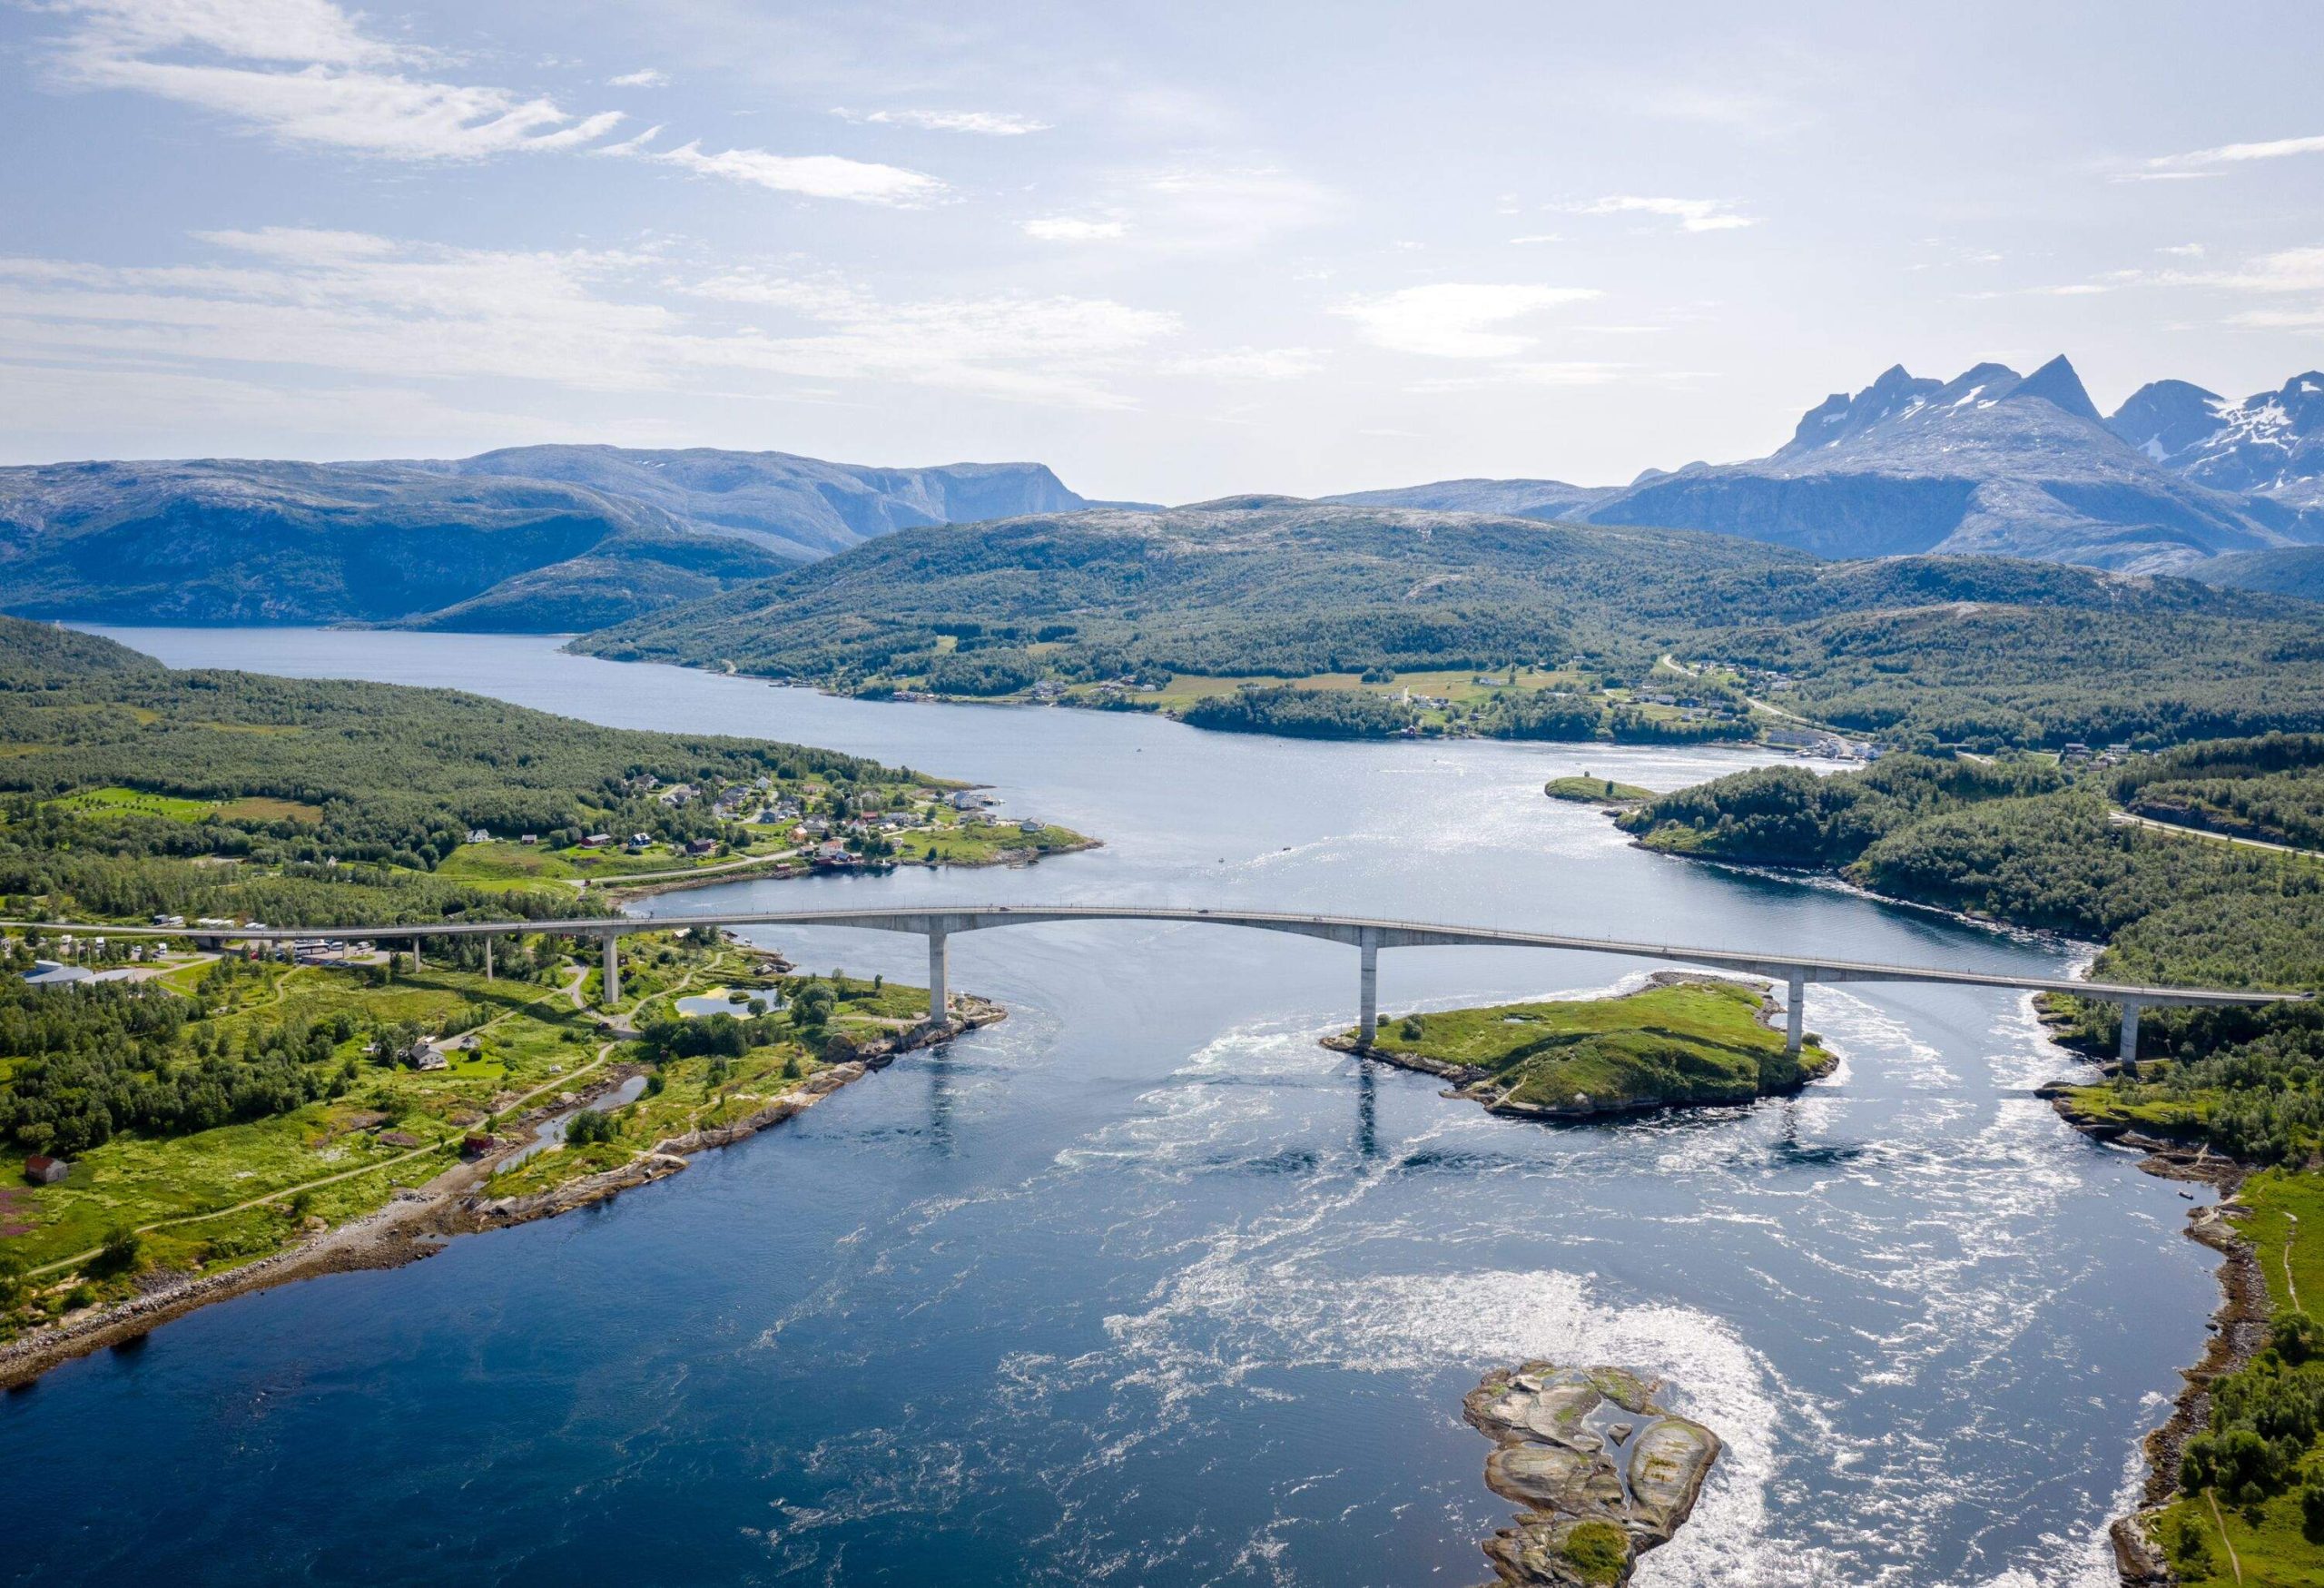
2132 819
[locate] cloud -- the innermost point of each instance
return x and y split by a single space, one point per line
988 123
816 176
1455 320
646 77
2203 160
1065 228
287 300
1248 364
303 71
1533 237
1563 372
1692 215
2183 249
1227 207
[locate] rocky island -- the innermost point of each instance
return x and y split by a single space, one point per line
1682 1039
1603 1472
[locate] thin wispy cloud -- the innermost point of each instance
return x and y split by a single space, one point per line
1067 229
986 124
304 72
375 306
1692 215
646 77
2201 161
1248 364
814 176
1455 320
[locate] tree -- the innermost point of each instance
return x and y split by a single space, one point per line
811 1009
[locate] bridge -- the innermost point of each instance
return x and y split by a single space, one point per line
1367 934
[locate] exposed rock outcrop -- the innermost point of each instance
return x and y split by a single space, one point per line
1603 1472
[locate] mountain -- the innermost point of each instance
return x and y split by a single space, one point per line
797 508
1989 462
539 538
1981 651
2271 443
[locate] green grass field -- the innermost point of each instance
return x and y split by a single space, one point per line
2285 1228
130 801
1595 791
1696 1041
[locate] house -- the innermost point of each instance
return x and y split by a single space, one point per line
530 838
1029 825
597 841
478 835
49 973
43 1170
698 847
768 816
963 800
638 841
677 794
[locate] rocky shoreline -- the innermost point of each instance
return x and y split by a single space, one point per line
1604 1474
2239 1327
416 1222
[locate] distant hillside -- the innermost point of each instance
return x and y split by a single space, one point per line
540 539
797 508
1979 651
1989 462
2290 570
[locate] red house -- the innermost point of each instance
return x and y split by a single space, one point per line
43 1170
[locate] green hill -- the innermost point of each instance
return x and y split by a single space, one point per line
1979 651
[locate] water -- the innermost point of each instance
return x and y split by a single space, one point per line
1142 1285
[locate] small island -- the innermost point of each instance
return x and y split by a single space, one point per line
1603 1472
1683 1039
1586 790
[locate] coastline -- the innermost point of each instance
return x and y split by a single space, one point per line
416 1222
2239 1324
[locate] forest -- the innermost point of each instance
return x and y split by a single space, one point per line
2023 843
1976 653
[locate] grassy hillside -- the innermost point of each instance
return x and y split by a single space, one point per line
363 773
1683 1039
1980 652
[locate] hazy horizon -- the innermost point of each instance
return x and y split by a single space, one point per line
1171 256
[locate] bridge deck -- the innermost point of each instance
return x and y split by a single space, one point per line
1365 932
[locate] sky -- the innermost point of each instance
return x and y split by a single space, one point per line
1174 252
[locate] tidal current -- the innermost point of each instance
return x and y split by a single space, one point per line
1142 1286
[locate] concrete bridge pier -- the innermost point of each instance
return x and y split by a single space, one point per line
940 999
1795 1013
1367 1002
611 993
2129 1050
488 959
414 953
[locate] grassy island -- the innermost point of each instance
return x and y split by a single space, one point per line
1586 790
1680 1040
